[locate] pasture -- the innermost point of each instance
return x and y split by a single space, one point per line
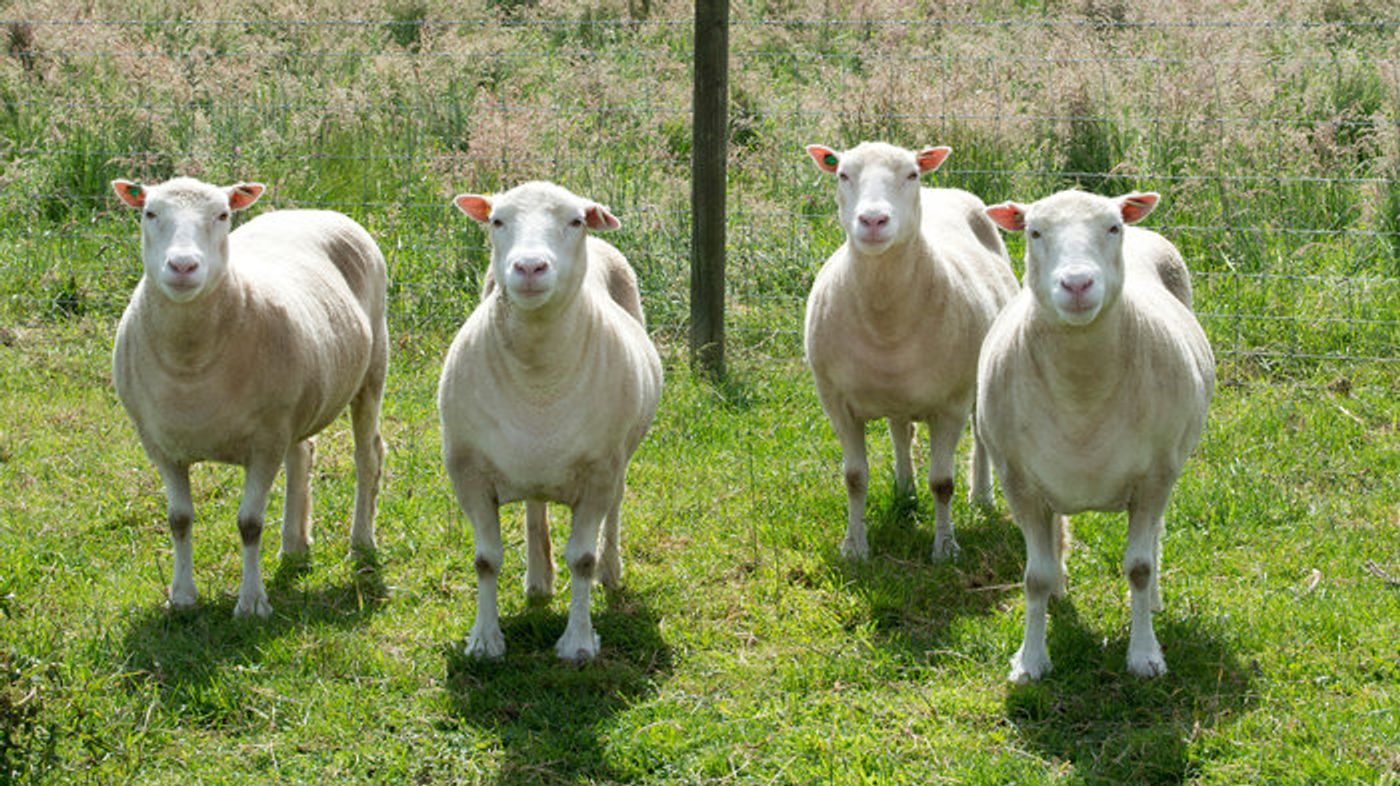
743 648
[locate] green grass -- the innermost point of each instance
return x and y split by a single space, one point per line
742 649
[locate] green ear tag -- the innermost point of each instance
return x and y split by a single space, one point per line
830 159
134 190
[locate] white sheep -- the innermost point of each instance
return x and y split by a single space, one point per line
895 320
239 346
1092 392
546 393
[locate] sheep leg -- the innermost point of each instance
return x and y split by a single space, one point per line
850 430
539 557
257 482
579 643
901 435
1141 565
369 457
610 567
943 431
1040 529
485 639
980 492
296 518
180 517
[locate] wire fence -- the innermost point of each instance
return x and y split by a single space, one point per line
1275 144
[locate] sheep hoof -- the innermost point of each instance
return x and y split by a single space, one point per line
538 593
489 645
253 606
578 648
1147 665
855 550
180 605
946 549
1025 670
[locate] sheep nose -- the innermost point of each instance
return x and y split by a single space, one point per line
874 220
531 266
182 265
1077 283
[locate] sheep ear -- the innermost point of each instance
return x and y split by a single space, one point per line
241 196
1137 205
598 217
825 158
131 193
477 207
931 158
1008 215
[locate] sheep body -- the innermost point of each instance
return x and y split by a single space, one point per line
1092 407
895 319
270 351
546 392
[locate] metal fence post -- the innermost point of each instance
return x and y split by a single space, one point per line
709 155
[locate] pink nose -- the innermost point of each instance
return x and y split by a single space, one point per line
183 265
1077 283
874 220
531 267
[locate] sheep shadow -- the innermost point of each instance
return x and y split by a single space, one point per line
549 715
1117 728
913 600
186 653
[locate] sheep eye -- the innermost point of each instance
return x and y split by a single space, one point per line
1035 233
151 214
223 216
844 177
1113 230
913 176
578 222
497 223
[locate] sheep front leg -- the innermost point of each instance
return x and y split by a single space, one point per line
180 517
943 431
257 482
1040 528
296 518
1141 565
539 554
485 639
901 435
580 644
851 432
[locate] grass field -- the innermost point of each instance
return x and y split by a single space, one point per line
743 649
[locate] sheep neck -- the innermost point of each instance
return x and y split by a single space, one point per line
187 338
1085 363
897 286
545 345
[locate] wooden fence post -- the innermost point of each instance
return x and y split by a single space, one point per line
709 155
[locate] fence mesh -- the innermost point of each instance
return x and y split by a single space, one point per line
1275 143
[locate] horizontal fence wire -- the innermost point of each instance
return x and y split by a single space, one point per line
1275 144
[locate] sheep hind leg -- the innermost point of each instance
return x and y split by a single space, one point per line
539 555
369 459
943 444
980 492
610 564
296 517
901 437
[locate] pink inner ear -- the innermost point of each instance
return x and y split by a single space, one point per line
598 217
130 193
244 195
475 206
825 158
932 158
1008 216
1135 207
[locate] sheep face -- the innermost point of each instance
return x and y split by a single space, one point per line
184 231
877 190
538 234
1074 249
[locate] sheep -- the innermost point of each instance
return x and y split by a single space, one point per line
895 319
238 347
545 394
1092 391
